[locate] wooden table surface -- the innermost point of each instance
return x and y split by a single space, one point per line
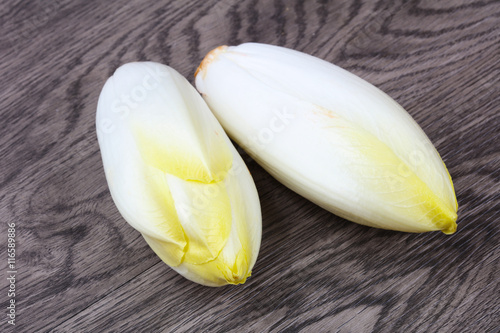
82 268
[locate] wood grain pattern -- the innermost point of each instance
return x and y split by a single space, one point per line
82 268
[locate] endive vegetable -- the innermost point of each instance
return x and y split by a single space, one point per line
329 136
176 177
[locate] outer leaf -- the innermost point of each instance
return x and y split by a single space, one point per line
329 136
175 176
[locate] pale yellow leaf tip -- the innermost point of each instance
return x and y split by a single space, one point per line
451 228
